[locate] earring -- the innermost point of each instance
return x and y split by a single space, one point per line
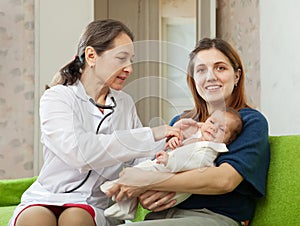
92 65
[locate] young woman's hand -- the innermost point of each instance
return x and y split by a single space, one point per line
122 192
165 131
157 200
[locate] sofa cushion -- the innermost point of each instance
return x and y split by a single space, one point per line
6 213
281 206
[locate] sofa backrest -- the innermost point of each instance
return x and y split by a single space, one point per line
281 206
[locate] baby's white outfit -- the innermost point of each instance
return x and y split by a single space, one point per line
195 155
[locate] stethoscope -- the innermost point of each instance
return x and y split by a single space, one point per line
112 108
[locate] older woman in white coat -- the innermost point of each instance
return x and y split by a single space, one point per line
90 130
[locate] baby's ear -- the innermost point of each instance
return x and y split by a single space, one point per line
228 142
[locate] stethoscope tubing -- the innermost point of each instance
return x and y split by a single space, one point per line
112 108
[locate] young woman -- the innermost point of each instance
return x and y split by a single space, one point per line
224 194
89 129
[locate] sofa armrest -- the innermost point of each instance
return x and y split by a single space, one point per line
11 190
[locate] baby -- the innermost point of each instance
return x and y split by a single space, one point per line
197 151
215 129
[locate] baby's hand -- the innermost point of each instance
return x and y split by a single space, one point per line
162 157
173 143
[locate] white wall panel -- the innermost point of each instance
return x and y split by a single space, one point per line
280 75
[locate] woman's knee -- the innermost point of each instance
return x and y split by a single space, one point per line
36 216
76 217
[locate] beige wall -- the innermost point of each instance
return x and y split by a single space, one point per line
238 23
16 88
26 66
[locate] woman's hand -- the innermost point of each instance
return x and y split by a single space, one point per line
122 192
152 200
188 127
157 200
165 131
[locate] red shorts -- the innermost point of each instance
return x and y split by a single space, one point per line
57 210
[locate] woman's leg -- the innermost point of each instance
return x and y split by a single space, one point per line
76 217
36 216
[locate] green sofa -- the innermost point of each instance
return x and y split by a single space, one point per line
280 207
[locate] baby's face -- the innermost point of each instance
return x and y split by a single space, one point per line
217 127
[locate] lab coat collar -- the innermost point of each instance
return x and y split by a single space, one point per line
80 92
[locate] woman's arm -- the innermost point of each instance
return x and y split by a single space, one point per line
68 131
160 200
210 181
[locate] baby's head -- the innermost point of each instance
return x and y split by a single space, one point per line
222 126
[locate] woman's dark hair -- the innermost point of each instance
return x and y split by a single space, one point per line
100 35
237 99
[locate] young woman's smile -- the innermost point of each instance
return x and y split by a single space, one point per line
214 75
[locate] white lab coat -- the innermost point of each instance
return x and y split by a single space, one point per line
71 148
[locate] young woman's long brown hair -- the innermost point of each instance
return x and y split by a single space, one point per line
237 99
